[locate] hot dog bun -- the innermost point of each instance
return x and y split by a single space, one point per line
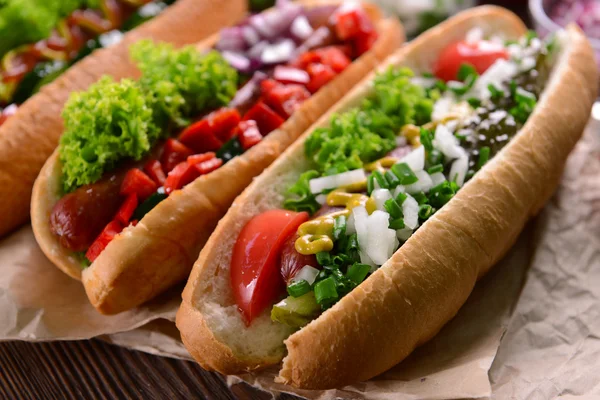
29 137
160 251
408 300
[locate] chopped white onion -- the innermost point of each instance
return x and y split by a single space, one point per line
501 71
256 51
458 171
279 52
236 60
380 237
474 35
110 38
437 178
399 189
321 199
410 209
308 273
317 185
365 259
404 233
422 185
447 143
415 159
442 107
380 196
361 216
301 28
401 141
350 227
422 81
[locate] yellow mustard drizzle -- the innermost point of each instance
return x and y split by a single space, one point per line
317 235
381 164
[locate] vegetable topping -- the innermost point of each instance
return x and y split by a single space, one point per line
383 169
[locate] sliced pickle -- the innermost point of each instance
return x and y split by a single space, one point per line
296 311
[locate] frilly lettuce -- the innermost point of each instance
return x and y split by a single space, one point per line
112 121
181 82
108 122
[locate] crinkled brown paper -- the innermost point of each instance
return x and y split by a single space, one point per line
540 340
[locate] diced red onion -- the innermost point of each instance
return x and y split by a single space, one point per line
290 75
236 60
319 16
256 51
319 38
278 52
248 91
250 35
301 28
231 39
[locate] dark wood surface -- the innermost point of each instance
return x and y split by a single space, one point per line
97 370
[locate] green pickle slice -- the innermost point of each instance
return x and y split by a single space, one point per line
296 311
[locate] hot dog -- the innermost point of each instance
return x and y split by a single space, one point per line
437 162
31 125
198 125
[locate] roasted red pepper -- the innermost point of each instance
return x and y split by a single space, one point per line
180 176
155 171
138 183
127 208
248 133
320 75
266 119
335 57
207 166
174 152
108 234
285 99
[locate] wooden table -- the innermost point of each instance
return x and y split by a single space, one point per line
94 369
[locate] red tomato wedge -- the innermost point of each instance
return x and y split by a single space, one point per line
480 55
255 276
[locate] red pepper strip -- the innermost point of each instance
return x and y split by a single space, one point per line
174 153
127 208
266 119
91 20
207 166
320 75
364 42
347 24
154 170
305 59
334 57
198 158
200 137
180 176
248 134
285 99
223 122
108 234
138 183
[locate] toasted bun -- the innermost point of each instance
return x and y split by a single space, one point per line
29 138
409 299
146 259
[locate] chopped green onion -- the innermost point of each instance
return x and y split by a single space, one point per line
297 289
358 272
441 85
484 156
435 157
404 173
339 227
420 197
326 292
397 223
442 193
465 71
427 75
370 184
513 87
436 168
400 198
426 139
460 136
393 208
530 35
381 181
474 102
323 258
425 211
496 93
392 179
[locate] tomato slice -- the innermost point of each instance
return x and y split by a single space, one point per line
481 55
255 276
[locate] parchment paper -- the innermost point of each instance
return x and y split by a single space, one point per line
551 348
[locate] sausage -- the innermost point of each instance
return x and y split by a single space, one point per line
79 217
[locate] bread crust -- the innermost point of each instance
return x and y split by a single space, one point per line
29 137
408 300
145 260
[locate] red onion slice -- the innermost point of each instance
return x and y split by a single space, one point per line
278 52
290 75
